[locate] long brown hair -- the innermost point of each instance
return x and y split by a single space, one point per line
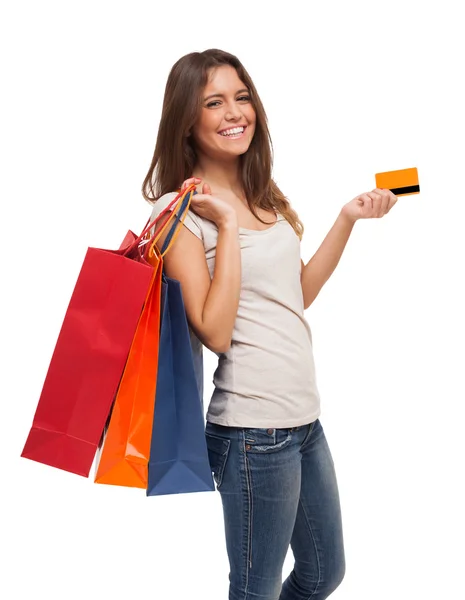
175 157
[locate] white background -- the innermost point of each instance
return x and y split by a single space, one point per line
351 89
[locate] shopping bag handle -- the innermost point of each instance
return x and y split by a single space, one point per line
184 202
150 224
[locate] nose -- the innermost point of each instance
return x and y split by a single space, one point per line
233 112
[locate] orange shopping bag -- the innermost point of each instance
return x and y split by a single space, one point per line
123 458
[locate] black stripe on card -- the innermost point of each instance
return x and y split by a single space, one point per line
410 189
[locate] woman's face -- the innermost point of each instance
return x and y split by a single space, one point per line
226 124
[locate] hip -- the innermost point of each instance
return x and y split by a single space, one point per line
270 451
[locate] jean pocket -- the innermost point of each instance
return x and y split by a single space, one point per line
218 452
259 440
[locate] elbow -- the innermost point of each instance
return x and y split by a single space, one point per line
220 347
217 344
309 297
308 301
215 338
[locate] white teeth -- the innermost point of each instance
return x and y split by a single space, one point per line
234 131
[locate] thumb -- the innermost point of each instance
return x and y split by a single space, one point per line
206 189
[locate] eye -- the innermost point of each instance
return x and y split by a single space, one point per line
215 103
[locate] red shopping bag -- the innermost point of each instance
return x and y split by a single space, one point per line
126 448
89 356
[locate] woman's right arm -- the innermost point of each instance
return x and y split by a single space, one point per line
211 303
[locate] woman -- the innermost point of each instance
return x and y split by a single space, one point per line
245 289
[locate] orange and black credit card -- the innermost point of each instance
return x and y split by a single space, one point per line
401 183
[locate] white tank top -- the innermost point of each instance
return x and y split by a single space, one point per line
267 377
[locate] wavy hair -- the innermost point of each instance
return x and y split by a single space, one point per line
174 158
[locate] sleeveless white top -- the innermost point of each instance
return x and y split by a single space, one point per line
267 377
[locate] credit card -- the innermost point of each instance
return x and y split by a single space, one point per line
401 183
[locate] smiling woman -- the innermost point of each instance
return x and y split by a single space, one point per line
237 257
220 79
206 94
228 115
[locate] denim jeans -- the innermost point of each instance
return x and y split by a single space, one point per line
278 488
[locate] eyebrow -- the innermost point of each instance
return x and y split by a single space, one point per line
222 95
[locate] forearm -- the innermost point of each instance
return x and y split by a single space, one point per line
322 265
220 309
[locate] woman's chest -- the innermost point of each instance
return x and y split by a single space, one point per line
265 254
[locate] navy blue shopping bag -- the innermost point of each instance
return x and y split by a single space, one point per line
178 455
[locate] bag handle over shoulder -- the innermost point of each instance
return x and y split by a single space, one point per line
149 240
183 200
180 218
184 204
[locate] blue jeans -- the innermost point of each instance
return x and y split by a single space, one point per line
278 487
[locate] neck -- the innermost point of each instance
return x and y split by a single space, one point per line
219 175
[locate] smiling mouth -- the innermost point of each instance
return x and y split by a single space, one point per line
233 133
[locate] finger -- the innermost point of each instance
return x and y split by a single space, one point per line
387 200
392 200
367 201
206 189
380 202
375 203
374 197
190 181
384 192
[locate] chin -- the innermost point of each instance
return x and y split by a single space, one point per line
237 150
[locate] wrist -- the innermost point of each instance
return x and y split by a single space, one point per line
347 218
228 222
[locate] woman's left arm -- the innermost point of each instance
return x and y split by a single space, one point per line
321 266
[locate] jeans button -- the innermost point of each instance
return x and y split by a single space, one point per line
270 431
248 447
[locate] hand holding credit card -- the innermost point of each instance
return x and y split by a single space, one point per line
401 183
